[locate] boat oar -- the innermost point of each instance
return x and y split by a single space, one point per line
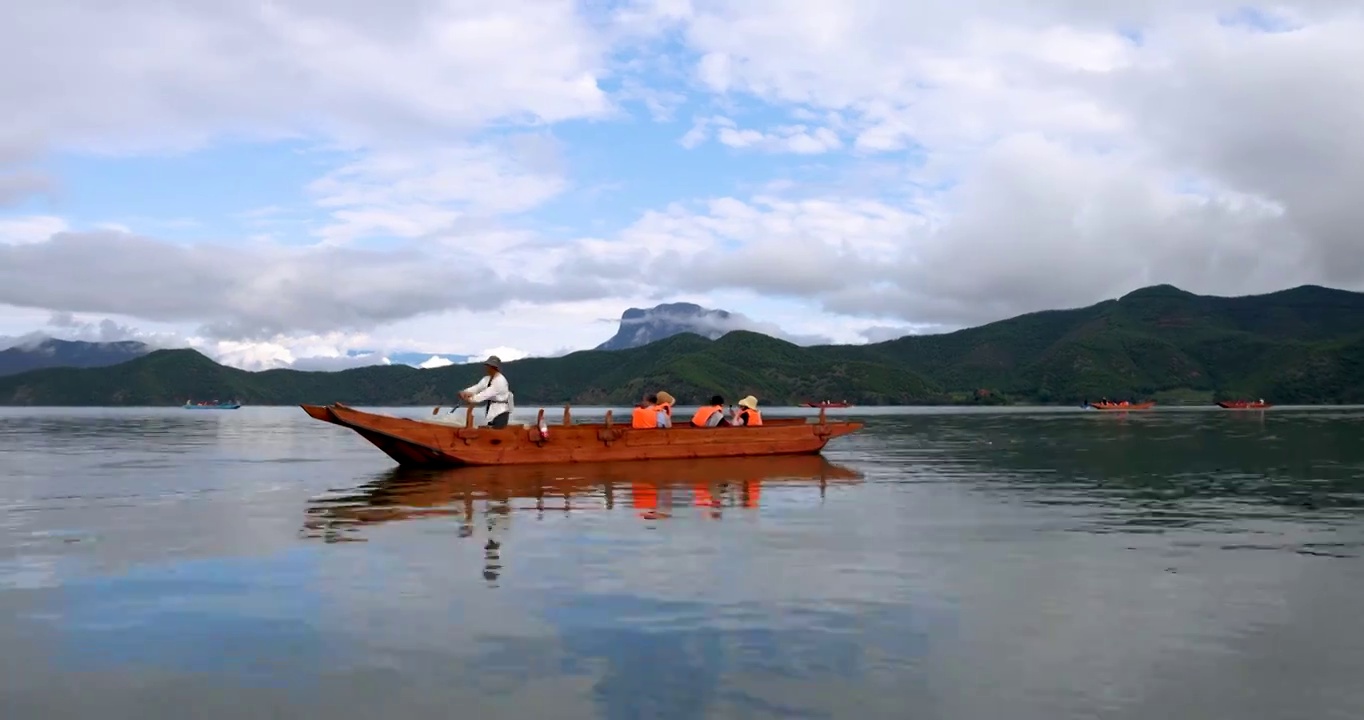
436 410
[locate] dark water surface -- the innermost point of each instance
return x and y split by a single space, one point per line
939 564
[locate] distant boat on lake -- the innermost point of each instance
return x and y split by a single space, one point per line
1243 404
1112 406
213 405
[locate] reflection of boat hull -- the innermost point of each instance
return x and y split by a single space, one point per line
1243 405
418 443
415 493
1115 407
220 406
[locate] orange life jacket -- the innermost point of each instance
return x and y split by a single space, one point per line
702 415
753 417
666 408
644 417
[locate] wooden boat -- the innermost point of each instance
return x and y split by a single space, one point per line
189 405
651 488
1121 406
827 404
1244 404
426 443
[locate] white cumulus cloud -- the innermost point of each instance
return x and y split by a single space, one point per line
888 165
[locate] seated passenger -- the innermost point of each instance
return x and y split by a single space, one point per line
665 409
748 412
645 414
711 415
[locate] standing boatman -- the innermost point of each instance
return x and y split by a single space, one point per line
494 392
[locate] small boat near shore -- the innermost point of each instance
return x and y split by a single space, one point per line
1121 406
827 404
1243 404
231 405
424 443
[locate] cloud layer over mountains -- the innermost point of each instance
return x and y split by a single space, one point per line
870 164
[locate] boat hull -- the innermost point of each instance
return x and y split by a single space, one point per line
419 443
212 407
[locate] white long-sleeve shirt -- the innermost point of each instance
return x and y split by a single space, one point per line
494 388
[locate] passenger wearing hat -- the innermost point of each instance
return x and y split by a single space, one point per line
493 392
653 411
665 408
748 412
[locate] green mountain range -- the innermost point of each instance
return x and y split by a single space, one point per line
1303 345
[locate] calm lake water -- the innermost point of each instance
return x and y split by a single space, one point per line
940 564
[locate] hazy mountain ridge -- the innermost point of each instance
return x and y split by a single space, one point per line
52 352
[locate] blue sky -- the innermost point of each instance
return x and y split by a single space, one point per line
292 185
616 170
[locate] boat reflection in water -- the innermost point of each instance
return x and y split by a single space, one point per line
651 490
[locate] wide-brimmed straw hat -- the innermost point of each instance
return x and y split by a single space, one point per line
666 399
749 402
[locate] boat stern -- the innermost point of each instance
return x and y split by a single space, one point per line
840 429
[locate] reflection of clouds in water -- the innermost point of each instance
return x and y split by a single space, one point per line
386 595
686 617
30 572
951 584
1261 664
111 486
655 657
1079 623
680 618
679 656
219 616
792 554
1072 621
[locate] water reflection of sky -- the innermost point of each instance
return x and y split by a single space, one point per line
251 618
716 631
981 569
674 655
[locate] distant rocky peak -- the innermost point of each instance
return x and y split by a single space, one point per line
677 309
641 326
